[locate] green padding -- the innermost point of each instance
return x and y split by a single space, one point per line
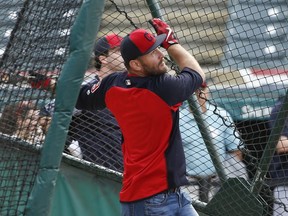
82 39
81 193
16 176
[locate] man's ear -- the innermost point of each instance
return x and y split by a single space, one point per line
102 59
135 65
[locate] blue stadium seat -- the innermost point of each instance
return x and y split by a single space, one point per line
256 34
257 31
238 63
258 13
247 49
262 1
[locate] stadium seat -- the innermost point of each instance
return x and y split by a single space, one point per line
262 1
237 63
256 34
247 49
260 12
257 31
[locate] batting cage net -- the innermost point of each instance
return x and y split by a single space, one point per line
233 128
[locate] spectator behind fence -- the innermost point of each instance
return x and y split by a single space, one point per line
145 100
23 121
95 135
200 167
279 164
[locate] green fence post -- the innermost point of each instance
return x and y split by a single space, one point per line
207 138
156 12
154 9
82 39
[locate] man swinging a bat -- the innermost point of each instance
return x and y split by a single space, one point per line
145 100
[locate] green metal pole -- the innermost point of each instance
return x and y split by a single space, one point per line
269 150
195 107
82 39
156 12
154 9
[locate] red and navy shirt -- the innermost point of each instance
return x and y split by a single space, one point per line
147 110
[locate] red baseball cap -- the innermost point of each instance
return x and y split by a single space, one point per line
104 44
138 43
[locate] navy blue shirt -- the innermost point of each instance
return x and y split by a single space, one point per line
99 137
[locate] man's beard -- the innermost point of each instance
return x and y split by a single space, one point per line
154 71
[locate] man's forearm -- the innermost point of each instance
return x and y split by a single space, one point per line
184 59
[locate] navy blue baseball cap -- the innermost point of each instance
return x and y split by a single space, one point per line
104 44
138 43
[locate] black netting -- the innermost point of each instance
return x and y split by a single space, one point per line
242 47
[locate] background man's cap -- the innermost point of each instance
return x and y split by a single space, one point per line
104 44
138 43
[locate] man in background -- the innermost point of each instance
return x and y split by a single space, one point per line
95 135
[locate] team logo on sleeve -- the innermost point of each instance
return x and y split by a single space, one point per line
95 87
